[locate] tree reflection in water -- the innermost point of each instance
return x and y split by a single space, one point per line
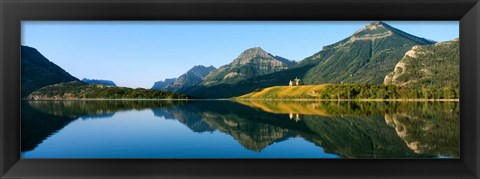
349 129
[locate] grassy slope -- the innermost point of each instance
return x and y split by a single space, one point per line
350 91
304 91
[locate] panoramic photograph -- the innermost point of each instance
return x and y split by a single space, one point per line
240 89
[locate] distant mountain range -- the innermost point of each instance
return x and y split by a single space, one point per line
250 63
100 82
161 85
38 71
376 54
192 77
366 56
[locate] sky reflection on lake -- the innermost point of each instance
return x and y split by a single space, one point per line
244 129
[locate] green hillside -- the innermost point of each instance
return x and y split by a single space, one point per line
80 90
424 72
38 71
365 57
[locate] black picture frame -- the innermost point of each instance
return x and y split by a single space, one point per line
12 12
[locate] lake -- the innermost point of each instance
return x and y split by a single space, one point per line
239 129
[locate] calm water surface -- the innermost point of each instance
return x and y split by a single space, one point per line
243 129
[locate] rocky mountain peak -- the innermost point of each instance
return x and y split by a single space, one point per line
190 78
372 26
200 70
373 31
250 63
197 67
252 53
377 31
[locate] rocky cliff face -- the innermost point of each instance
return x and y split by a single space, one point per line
435 65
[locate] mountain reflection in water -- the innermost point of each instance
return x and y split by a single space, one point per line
263 129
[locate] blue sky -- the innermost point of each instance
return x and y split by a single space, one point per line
136 54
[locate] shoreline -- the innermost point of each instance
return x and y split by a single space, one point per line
366 100
255 99
129 99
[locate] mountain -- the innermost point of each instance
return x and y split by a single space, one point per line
38 71
250 63
160 85
364 57
191 78
432 66
100 82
